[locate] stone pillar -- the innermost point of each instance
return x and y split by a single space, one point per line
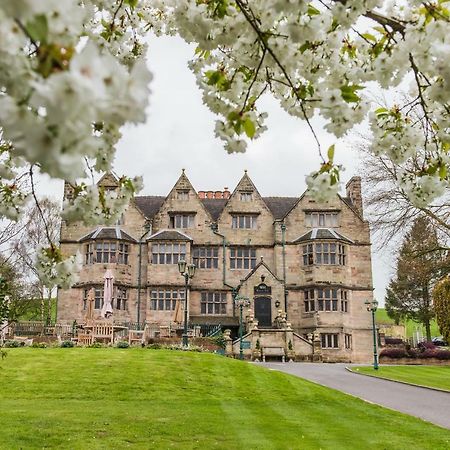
228 342
317 354
289 339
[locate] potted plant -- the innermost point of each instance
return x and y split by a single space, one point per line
256 351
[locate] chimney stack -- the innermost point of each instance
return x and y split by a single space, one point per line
226 192
353 188
201 194
68 191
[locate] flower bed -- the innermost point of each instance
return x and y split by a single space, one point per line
426 354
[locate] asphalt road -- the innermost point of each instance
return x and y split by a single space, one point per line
426 404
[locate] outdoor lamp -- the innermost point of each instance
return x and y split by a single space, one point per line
240 302
277 304
372 307
187 271
190 270
182 266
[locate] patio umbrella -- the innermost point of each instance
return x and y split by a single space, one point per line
107 309
178 313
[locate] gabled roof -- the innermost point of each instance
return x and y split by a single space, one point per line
107 233
280 206
261 263
214 206
149 204
322 234
169 235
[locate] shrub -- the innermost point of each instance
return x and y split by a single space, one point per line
427 354
393 341
154 346
122 344
442 354
414 353
13 344
39 345
219 340
394 353
426 346
97 345
67 344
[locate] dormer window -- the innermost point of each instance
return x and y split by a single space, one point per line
183 195
322 219
246 196
180 220
107 245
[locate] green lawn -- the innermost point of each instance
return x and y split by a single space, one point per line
85 398
437 376
381 317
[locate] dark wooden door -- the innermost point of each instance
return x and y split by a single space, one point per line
263 311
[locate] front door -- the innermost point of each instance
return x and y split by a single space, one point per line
263 311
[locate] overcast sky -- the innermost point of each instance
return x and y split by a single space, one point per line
179 133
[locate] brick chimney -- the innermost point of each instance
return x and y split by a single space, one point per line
201 194
210 194
353 188
226 192
68 191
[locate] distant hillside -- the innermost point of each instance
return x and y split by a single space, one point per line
382 318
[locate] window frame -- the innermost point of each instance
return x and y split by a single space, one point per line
209 260
246 197
322 219
242 256
182 221
164 298
325 299
173 256
324 253
347 341
213 303
182 194
245 221
329 341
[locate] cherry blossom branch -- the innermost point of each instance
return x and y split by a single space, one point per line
263 42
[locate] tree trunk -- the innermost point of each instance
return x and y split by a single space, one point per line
428 329
426 321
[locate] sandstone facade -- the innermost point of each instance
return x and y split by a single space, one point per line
311 260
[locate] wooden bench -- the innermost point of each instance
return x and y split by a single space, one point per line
136 337
273 351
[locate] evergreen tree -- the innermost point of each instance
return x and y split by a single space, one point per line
420 264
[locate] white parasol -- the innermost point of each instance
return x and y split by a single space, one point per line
107 309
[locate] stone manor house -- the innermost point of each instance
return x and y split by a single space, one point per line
289 255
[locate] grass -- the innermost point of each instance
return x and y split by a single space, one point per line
437 376
381 317
84 398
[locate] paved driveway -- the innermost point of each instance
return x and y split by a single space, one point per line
427 404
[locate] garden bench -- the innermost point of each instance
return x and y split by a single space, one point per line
136 336
273 351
